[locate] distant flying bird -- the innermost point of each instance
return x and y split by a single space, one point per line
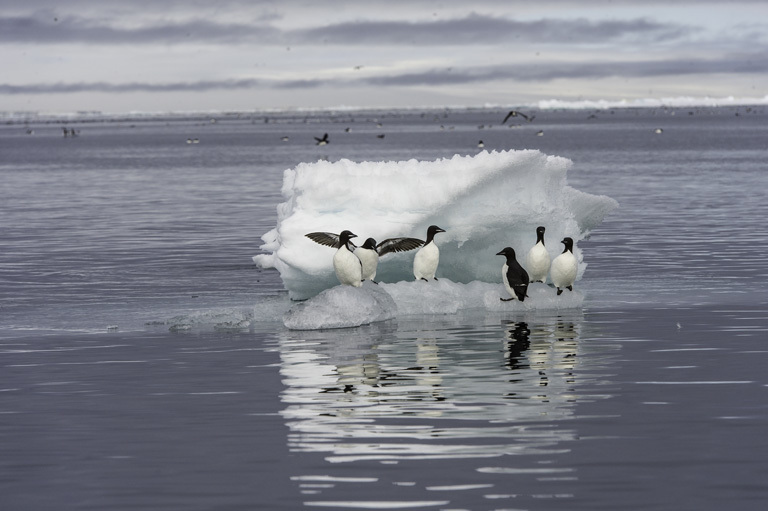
540 133
348 267
537 261
515 113
514 276
427 258
322 141
564 268
480 144
658 131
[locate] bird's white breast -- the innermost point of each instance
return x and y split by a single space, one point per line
537 262
564 268
505 280
426 260
348 267
370 260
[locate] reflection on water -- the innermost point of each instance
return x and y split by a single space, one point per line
426 389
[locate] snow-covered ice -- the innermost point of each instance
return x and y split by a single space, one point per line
484 202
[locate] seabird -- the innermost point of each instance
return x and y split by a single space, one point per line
658 131
322 141
540 133
348 268
480 144
537 261
564 268
370 252
515 113
514 276
369 258
426 259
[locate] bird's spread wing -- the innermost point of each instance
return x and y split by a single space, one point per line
324 238
515 113
398 245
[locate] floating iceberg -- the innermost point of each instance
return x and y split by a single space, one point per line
484 202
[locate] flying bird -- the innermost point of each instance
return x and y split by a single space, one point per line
322 141
514 276
537 261
427 258
515 113
564 268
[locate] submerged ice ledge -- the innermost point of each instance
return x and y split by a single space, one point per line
484 202
346 306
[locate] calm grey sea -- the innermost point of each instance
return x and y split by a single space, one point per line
143 363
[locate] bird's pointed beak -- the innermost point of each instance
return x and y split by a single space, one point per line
501 253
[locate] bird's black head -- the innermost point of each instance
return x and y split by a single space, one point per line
540 233
568 242
509 252
370 244
431 231
345 236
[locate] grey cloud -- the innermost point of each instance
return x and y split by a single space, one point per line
480 29
64 88
45 27
744 64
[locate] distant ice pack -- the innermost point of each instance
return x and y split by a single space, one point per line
484 202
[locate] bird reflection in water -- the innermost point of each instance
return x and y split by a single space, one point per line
539 352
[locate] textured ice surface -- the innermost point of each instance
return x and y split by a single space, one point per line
485 203
342 307
346 306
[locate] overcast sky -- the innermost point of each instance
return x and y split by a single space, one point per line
150 55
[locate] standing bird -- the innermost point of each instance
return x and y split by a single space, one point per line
514 276
564 268
537 261
348 268
370 252
369 258
426 259
322 141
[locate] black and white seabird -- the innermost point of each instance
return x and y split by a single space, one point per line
370 252
369 258
564 268
537 261
322 141
515 113
426 259
348 267
514 276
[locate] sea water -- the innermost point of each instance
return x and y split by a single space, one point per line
145 362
